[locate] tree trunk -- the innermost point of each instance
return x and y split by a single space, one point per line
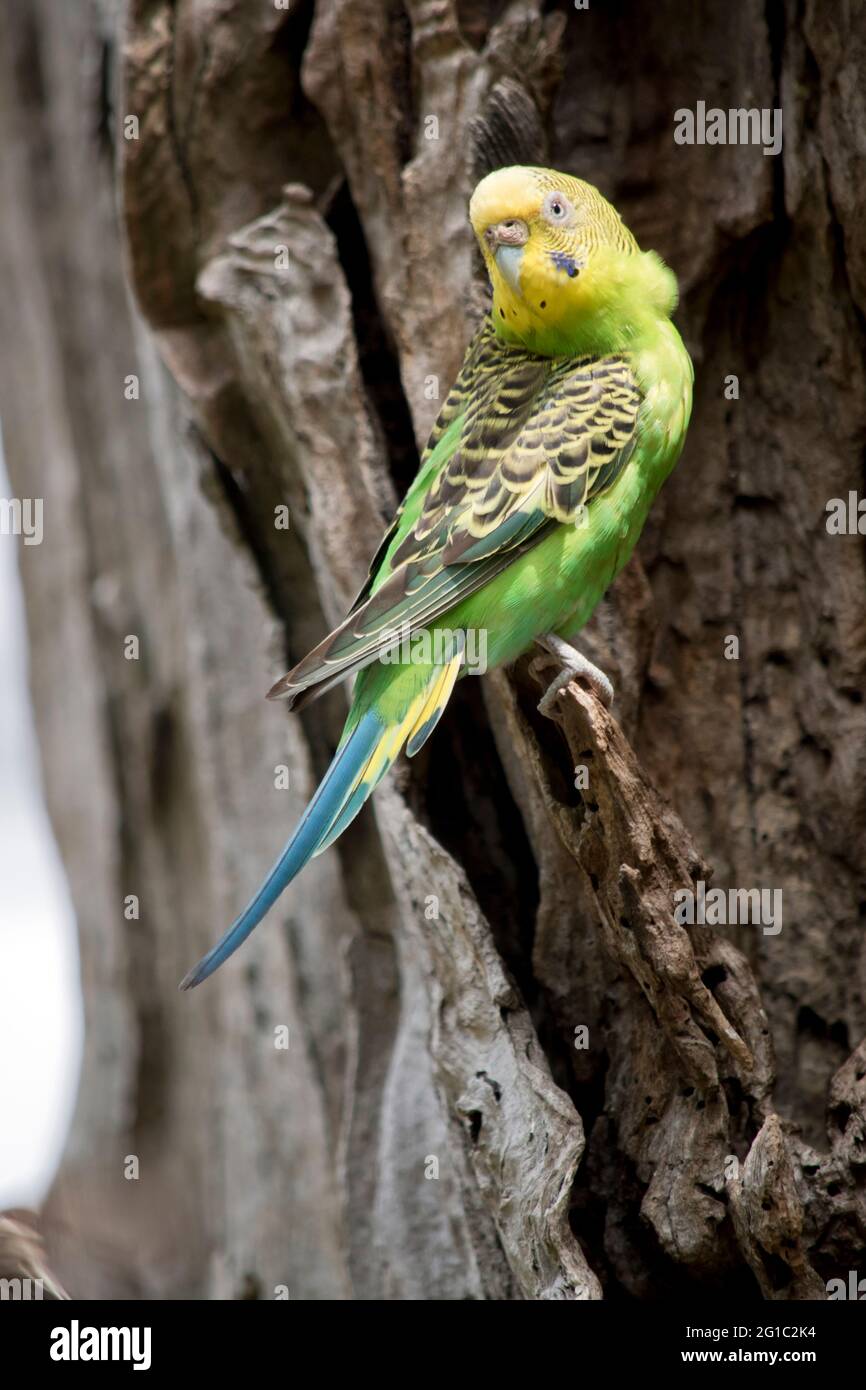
510 1073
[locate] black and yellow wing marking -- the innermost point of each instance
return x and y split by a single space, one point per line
529 442
477 374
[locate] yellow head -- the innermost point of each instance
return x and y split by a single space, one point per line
567 274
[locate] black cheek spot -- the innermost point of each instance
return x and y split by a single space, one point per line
502 313
543 304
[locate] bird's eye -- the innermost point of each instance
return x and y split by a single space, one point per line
557 209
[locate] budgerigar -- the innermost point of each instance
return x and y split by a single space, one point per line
569 412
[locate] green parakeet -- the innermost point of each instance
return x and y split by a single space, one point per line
569 412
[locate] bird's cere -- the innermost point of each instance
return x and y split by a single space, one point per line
513 232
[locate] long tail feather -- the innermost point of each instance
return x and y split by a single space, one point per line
313 826
364 756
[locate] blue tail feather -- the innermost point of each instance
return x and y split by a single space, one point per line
312 830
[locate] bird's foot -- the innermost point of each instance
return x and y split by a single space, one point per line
574 666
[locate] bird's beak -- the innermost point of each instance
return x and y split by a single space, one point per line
512 232
505 242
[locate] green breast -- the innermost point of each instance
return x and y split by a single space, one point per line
556 586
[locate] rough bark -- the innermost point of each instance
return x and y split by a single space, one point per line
435 968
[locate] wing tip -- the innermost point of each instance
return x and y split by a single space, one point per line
280 690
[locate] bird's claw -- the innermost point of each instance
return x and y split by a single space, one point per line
575 667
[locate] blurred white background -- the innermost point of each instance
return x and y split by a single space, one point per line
40 1000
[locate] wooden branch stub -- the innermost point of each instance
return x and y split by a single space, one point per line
637 854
